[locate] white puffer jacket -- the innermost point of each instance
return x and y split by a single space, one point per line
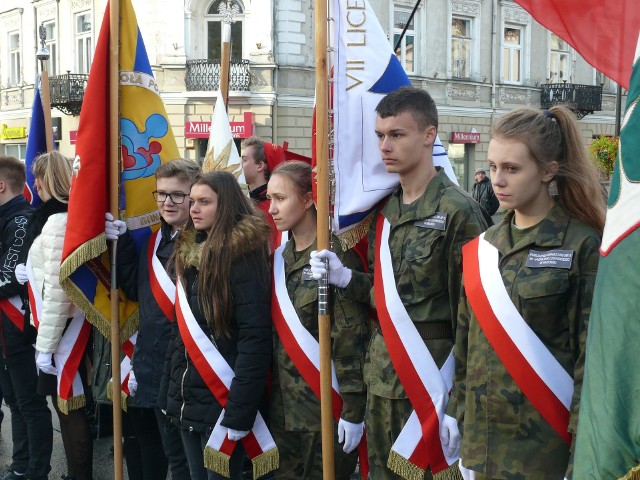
46 254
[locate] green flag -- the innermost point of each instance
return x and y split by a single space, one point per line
608 441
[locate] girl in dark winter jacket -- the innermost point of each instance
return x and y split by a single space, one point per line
221 261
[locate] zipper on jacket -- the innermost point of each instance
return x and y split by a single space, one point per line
184 374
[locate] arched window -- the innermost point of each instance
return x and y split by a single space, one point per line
213 18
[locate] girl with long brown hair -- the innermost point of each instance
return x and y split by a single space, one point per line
524 309
221 261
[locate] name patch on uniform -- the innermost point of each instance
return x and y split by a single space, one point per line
434 222
306 274
550 259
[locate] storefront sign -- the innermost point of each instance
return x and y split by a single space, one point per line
465 137
73 135
13 133
242 129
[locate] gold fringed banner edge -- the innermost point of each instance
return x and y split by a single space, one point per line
71 404
265 462
403 467
217 461
123 396
350 238
633 474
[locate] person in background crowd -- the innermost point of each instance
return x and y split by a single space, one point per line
421 226
31 429
294 407
525 303
53 172
140 282
483 193
221 261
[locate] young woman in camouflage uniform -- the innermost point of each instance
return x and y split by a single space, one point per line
294 407
547 256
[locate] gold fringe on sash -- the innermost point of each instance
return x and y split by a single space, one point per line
123 396
71 404
633 474
403 467
217 461
265 463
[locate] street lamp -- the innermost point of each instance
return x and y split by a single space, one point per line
43 56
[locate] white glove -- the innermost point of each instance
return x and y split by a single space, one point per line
236 435
350 433
113 228
21 273
339 275
450 436
44 363
466 473
132 384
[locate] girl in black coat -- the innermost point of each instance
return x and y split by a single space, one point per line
222 261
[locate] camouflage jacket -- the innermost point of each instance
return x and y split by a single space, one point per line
349 334
427 263
504 436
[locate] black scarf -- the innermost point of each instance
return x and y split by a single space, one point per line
42 214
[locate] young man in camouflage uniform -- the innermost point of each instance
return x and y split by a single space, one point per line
425 255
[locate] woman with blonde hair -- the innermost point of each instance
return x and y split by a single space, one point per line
55 314
528 285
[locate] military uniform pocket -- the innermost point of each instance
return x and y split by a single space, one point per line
544 300
421 274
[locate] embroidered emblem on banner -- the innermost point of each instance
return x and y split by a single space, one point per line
434 222
550 259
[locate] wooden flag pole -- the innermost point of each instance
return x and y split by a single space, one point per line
225 62
114 179
322 159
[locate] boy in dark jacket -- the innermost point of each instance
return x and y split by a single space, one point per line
173 182
31 429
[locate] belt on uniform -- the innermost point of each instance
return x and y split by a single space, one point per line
432 330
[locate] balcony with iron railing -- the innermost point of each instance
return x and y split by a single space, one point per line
582 99
204 75
67 92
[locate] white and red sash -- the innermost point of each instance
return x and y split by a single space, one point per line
302 348
218 375
13 309
69 351
533 368
162 287
418 446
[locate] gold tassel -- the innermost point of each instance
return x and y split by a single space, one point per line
123 396
217 461
451 473
403 467
351 237
633 474
265 462
71 404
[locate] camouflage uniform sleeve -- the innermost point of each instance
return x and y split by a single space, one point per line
455 407
467 224
589 256
350 336
360 288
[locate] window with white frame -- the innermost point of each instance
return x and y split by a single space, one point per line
406 51
461 47
52 45
14 59
512 54
213 18
559 60
18 150
84 50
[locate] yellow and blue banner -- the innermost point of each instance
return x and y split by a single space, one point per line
147 142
